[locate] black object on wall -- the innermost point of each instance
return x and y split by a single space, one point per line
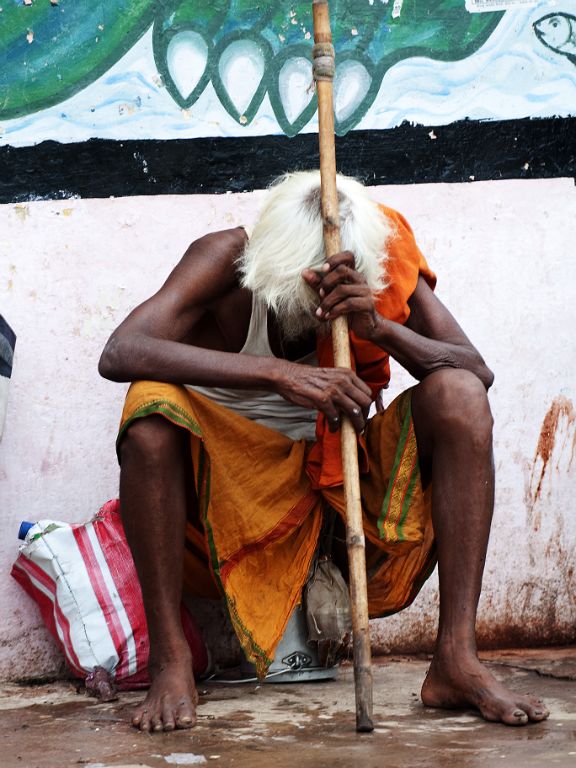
460 152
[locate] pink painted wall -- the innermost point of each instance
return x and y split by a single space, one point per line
71 270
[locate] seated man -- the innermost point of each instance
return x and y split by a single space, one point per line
229 443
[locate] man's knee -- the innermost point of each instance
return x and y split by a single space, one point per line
151 441
454 402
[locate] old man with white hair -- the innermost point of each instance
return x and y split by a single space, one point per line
229 440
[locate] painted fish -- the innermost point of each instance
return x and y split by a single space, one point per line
557 31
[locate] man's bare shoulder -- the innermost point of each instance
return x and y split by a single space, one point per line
202 288
208 268
204 277
223 243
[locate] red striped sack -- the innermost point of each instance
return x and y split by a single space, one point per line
84 581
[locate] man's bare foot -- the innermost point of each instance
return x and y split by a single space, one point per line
171 701
461 684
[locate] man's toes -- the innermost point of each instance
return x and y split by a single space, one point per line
157 724
507 712
168 718
141 720
536 710
185 715
515 716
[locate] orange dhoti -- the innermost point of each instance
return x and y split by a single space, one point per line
256 529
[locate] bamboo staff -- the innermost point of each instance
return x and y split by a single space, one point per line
323 75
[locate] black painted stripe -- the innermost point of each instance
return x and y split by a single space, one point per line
409 154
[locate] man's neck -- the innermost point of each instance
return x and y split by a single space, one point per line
289 349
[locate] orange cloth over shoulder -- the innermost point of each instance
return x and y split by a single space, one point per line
405 264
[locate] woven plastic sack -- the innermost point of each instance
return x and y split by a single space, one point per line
84 581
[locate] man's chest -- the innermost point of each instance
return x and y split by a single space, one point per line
227 324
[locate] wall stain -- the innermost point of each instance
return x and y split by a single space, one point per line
22 211
541 610
559 419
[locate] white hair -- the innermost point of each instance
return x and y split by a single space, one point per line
288 238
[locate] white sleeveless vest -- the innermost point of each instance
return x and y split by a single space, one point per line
267 408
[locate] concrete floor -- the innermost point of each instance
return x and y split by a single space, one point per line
302 725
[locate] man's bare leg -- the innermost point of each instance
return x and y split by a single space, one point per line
153 498
453 426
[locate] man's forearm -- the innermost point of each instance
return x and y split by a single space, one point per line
141 357
421 356
135 357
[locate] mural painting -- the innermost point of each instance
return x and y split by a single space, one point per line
187 68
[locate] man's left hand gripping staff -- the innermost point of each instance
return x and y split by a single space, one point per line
343 292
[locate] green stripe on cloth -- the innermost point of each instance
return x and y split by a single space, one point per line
169 410
414 476
405 472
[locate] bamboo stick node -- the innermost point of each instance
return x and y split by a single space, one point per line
356 540
323 66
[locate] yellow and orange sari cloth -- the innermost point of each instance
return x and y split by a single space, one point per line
259 517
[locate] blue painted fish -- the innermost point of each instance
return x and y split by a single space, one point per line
557 31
